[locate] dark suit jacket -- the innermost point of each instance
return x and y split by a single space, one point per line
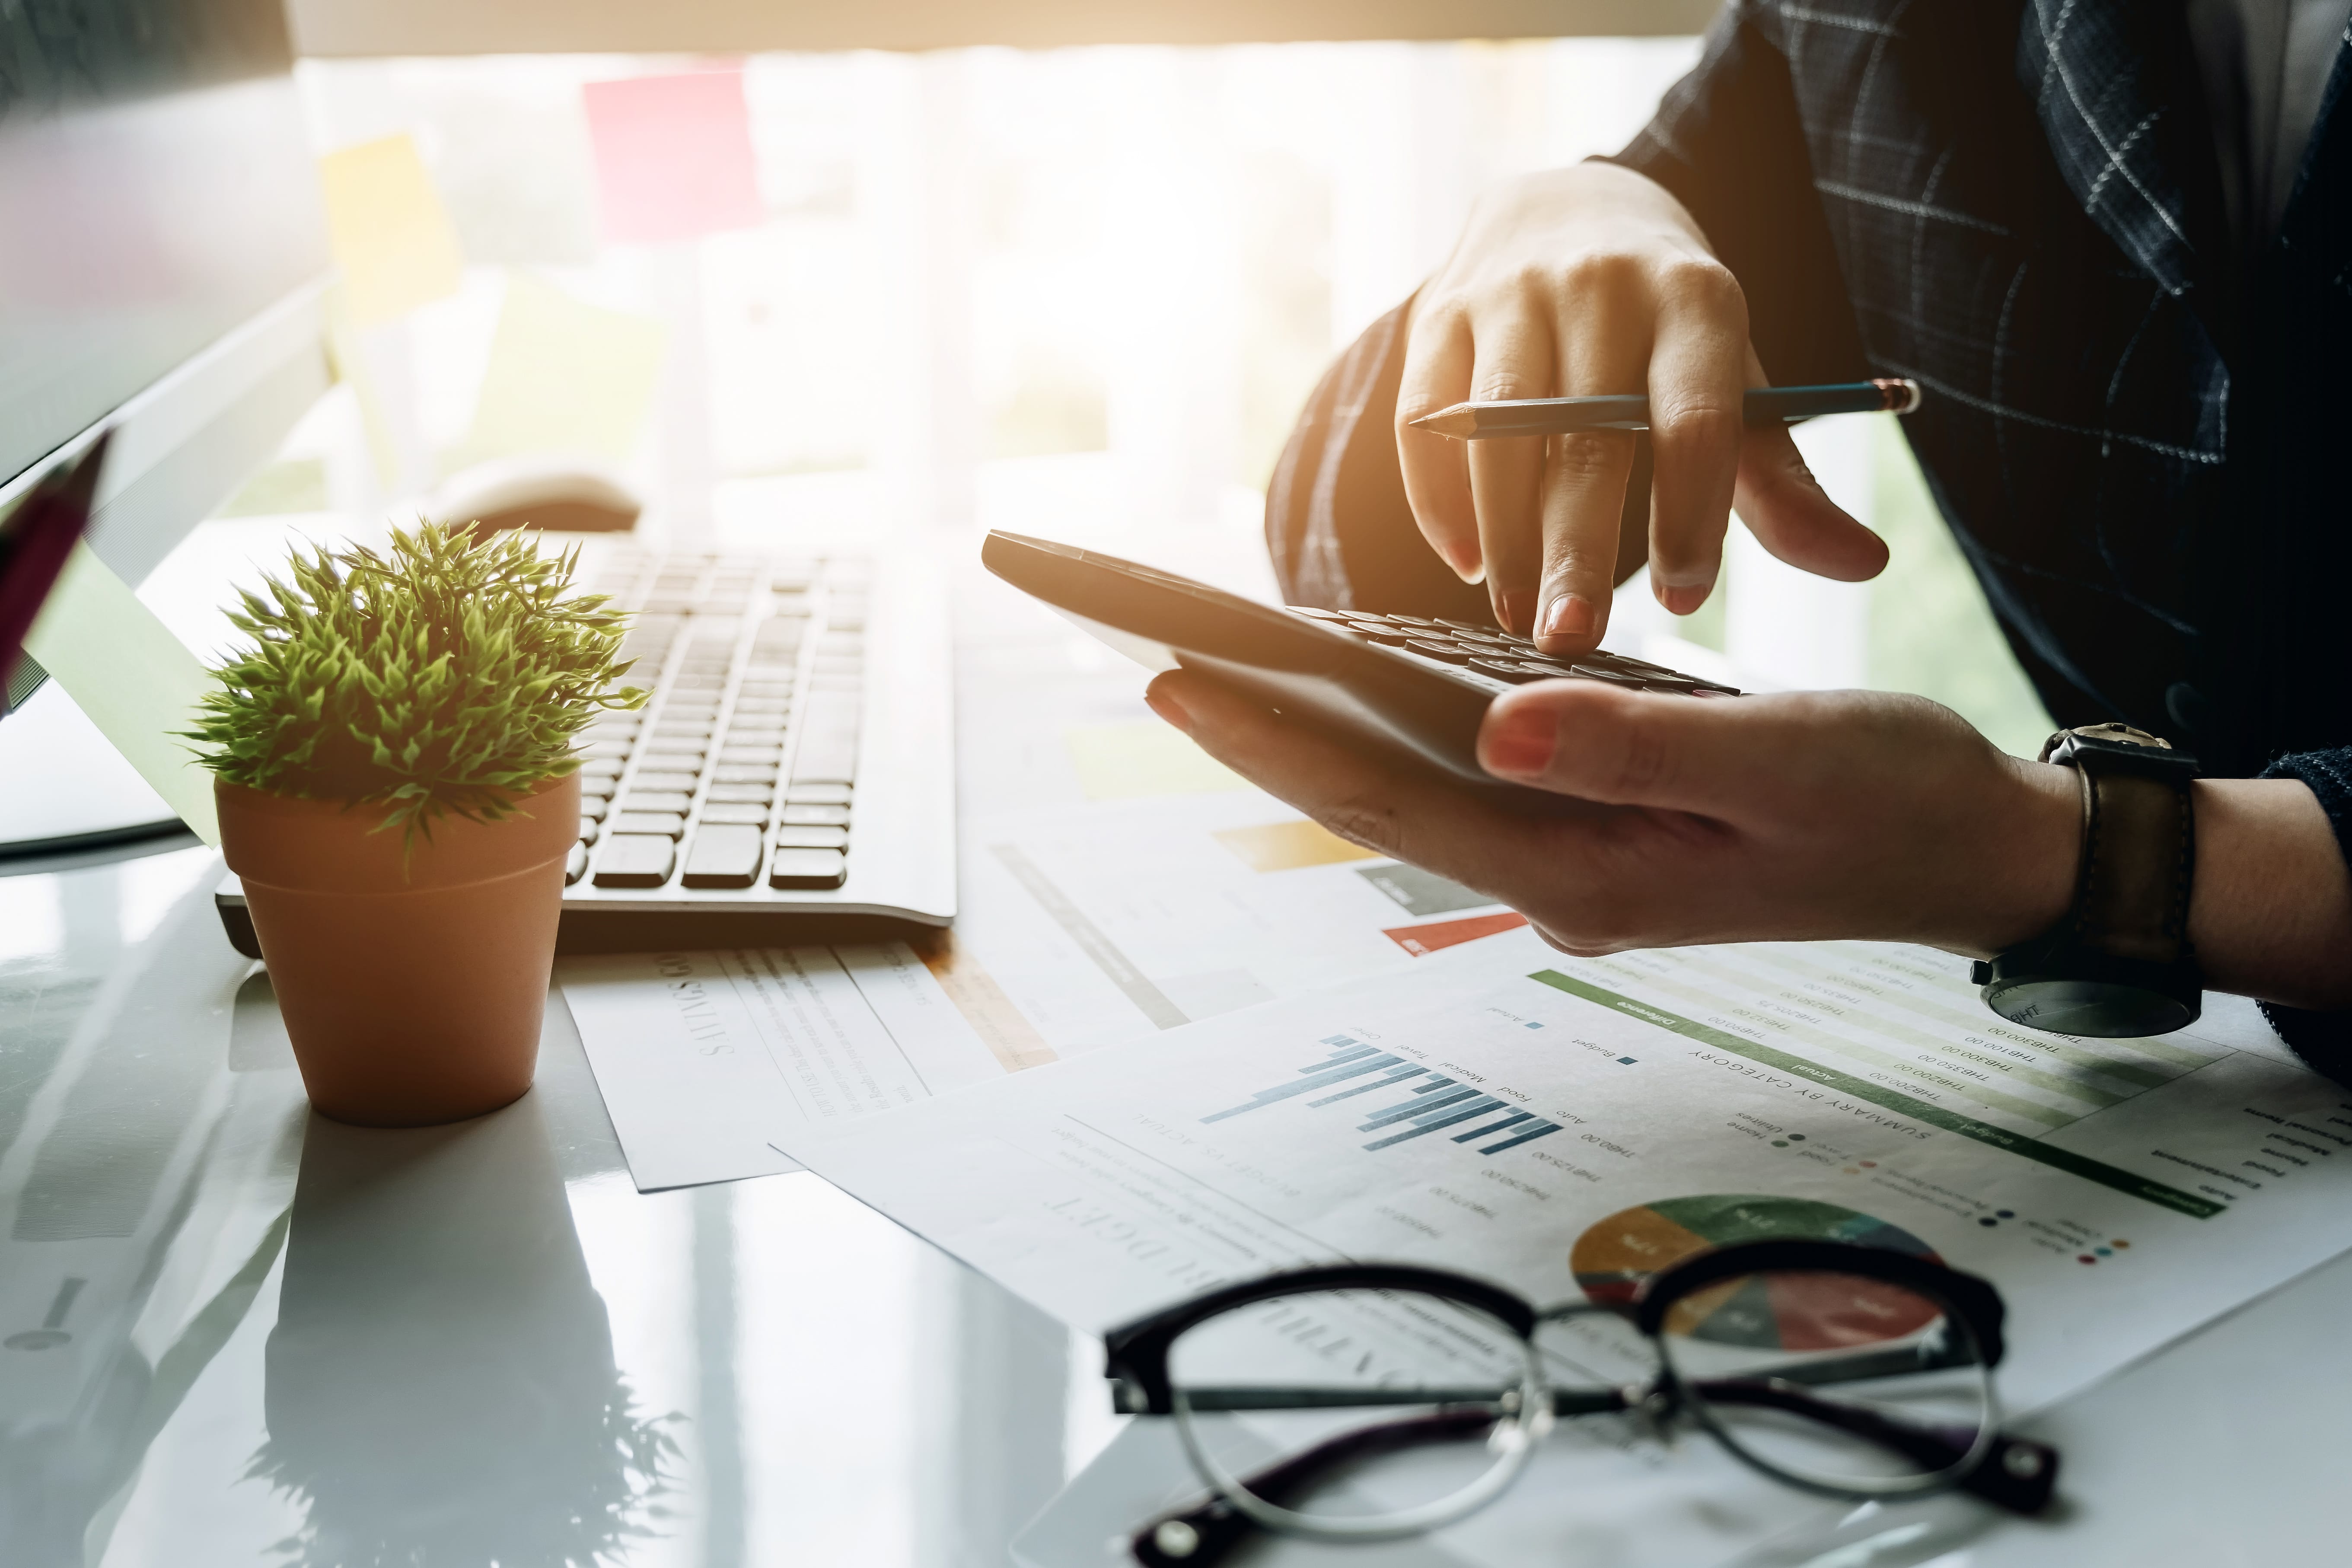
2137 428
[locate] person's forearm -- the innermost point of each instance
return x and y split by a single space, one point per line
2270 909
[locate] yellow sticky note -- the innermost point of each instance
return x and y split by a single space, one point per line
564 376
1287 845
1121 762
133 680
391 234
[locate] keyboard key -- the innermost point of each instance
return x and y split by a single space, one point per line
749 756
757 730
812 838
778 707
636 860
656 800
808 869
1468 628
1316 614
722 856
672 761
1446 651
681 782
669 824
816 817
694 737
606 750
592 806
588 826
758 794
575 864
752 812
820 794
828 752
744 774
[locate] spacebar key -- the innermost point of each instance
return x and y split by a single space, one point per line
723 855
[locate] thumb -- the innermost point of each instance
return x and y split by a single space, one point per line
1791 516
1717 757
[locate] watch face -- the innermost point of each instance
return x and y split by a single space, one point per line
2097 1008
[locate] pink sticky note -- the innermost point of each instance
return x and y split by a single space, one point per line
674 155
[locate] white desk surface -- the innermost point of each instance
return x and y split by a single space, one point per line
296 1342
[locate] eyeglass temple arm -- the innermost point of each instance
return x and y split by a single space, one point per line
2016 1473
1209 1530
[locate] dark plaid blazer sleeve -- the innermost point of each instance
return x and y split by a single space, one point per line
2323 1040
1728 141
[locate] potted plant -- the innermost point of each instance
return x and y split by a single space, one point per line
392 760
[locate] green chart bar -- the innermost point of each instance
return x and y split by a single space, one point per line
2090 1170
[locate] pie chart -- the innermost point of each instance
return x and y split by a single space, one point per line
1787 1312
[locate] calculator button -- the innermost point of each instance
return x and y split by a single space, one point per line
636 860
808 869
723 856
1509 669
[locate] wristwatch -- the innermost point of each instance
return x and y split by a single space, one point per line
2120 964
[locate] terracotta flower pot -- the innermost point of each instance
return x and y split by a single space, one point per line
411 995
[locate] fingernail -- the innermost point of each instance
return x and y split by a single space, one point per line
1517 612
1518 742
1684 600
1168 707
1568 616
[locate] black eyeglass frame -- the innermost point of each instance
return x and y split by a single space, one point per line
2013 1473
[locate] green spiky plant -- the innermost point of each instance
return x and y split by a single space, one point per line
450 675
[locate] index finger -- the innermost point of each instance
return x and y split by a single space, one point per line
1437 358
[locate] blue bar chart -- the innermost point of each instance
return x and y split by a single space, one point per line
1433 1102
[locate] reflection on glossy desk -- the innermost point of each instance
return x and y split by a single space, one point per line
234 1333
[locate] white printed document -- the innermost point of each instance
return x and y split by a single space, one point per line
706 1060
1565 1125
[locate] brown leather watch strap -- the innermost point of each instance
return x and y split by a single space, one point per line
2139 843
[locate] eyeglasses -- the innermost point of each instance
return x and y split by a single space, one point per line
1852 1371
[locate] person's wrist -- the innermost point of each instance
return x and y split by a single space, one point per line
2029 868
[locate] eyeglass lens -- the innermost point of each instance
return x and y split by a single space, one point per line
1395 1405
1833 1379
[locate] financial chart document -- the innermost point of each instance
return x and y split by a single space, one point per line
1566 1126
703 1056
